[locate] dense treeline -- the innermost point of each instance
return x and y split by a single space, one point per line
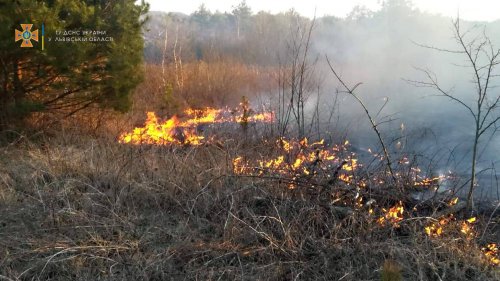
259 37
203 35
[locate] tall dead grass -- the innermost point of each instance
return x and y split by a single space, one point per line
201 84
80 208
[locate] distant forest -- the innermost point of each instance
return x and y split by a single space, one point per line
258 37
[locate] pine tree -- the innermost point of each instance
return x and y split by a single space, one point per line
70 76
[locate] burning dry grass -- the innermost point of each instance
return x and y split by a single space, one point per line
184 132
91 209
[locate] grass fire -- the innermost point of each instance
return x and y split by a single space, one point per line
174 131
227 143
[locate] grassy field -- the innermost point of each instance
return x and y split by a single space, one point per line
175 147
80 208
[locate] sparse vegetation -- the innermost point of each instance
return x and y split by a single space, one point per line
482 57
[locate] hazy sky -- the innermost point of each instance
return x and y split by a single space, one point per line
469 9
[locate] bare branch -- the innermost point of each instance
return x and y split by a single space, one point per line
437 49
489 125
374 125
434 84
386 101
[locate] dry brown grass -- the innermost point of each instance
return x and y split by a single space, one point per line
201 84
77 208
76 205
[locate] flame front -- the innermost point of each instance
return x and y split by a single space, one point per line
300 159
168 132
177 132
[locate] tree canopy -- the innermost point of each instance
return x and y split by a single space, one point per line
92 54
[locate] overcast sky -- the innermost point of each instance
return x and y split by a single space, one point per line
469 9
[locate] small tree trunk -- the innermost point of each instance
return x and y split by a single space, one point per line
18 87
473 174
238 28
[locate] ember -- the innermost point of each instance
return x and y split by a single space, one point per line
436 229
467 228
394 215
297 159
492 253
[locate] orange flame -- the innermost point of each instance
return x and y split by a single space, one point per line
301 158
467 228
426 182
394 215
453 202
492 253
436 229
177 132
164 133
266 117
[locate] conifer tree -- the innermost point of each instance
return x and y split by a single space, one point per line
71 75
